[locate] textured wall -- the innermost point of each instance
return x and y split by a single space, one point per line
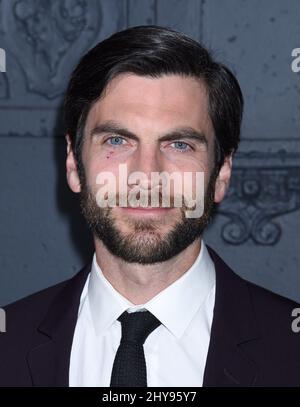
42 235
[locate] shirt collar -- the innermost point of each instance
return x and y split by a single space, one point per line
174 307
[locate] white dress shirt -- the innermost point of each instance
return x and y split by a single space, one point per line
175 352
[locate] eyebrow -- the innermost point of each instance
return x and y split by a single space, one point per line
178 133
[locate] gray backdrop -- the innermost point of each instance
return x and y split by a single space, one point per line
42 235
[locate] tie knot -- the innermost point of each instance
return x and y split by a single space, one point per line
137 326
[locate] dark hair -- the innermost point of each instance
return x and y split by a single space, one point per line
154 51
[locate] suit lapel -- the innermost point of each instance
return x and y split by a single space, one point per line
49 358
233 329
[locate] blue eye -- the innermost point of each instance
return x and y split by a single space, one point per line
118 140
181 145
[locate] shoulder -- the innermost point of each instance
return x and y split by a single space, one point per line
267 304
269 300
26 314
262 322
232 276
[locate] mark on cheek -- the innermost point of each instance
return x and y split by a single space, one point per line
110 153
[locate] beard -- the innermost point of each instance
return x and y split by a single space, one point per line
145 244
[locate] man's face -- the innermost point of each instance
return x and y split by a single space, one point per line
149 109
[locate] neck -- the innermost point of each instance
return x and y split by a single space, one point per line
139 283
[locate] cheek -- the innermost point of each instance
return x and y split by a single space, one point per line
97 159
109 155
98 169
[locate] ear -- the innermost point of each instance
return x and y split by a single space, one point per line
223 179
71 167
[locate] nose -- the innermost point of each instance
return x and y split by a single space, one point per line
147 159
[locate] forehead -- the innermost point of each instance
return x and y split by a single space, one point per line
169 100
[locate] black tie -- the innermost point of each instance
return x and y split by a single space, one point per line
129 368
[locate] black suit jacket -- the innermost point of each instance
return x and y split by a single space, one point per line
251 344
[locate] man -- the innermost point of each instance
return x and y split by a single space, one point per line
155 306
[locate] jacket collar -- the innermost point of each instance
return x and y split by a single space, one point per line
233 328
